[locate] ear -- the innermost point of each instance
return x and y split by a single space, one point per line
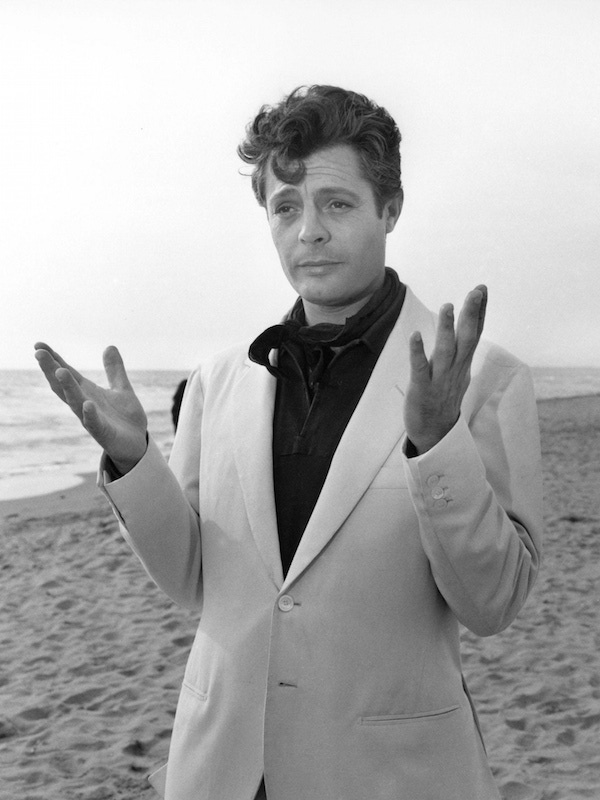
391 211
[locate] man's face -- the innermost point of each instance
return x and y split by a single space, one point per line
328 233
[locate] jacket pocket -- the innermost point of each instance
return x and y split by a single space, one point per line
199 695
191 708
404 719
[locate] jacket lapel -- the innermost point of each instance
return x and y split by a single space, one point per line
254 399
374 430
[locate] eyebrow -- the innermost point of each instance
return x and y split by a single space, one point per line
291 191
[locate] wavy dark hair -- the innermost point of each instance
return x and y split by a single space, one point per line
315 117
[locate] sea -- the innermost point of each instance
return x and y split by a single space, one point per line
43 447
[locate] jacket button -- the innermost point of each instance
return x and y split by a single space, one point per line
437 493
432 481
285 603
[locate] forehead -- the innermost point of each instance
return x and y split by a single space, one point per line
336 167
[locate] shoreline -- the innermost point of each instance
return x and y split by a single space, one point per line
568 398
77 497
592 395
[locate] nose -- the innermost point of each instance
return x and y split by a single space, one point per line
312 228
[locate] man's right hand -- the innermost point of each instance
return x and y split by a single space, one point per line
114 416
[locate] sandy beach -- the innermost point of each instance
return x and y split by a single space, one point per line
92 654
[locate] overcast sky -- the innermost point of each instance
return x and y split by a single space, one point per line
125 219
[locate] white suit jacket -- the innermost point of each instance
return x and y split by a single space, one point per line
342 681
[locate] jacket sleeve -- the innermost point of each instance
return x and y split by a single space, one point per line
478 499
157 505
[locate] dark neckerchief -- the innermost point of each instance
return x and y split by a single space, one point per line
318 389
294 329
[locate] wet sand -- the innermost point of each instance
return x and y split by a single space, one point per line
92 653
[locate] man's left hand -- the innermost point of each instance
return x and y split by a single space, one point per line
438 384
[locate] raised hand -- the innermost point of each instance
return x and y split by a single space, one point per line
438 384
114 416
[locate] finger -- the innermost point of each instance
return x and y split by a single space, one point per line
94 422
419 365
60 362
482 306
49 365
470 322
445 339
115 369
73 395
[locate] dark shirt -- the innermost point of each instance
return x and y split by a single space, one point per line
318 389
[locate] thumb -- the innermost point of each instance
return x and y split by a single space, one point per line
115 369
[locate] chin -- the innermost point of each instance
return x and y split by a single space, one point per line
324 298
322 289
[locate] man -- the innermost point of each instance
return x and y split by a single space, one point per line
338 500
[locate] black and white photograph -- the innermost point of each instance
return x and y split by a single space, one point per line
300 400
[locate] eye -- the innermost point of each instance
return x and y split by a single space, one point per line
339 205
284 210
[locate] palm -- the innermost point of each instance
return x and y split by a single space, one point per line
113 416
120 408
438 384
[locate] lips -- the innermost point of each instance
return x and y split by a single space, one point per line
317 263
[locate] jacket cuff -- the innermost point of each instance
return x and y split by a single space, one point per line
120 489
449 472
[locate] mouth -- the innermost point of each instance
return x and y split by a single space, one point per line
317 263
